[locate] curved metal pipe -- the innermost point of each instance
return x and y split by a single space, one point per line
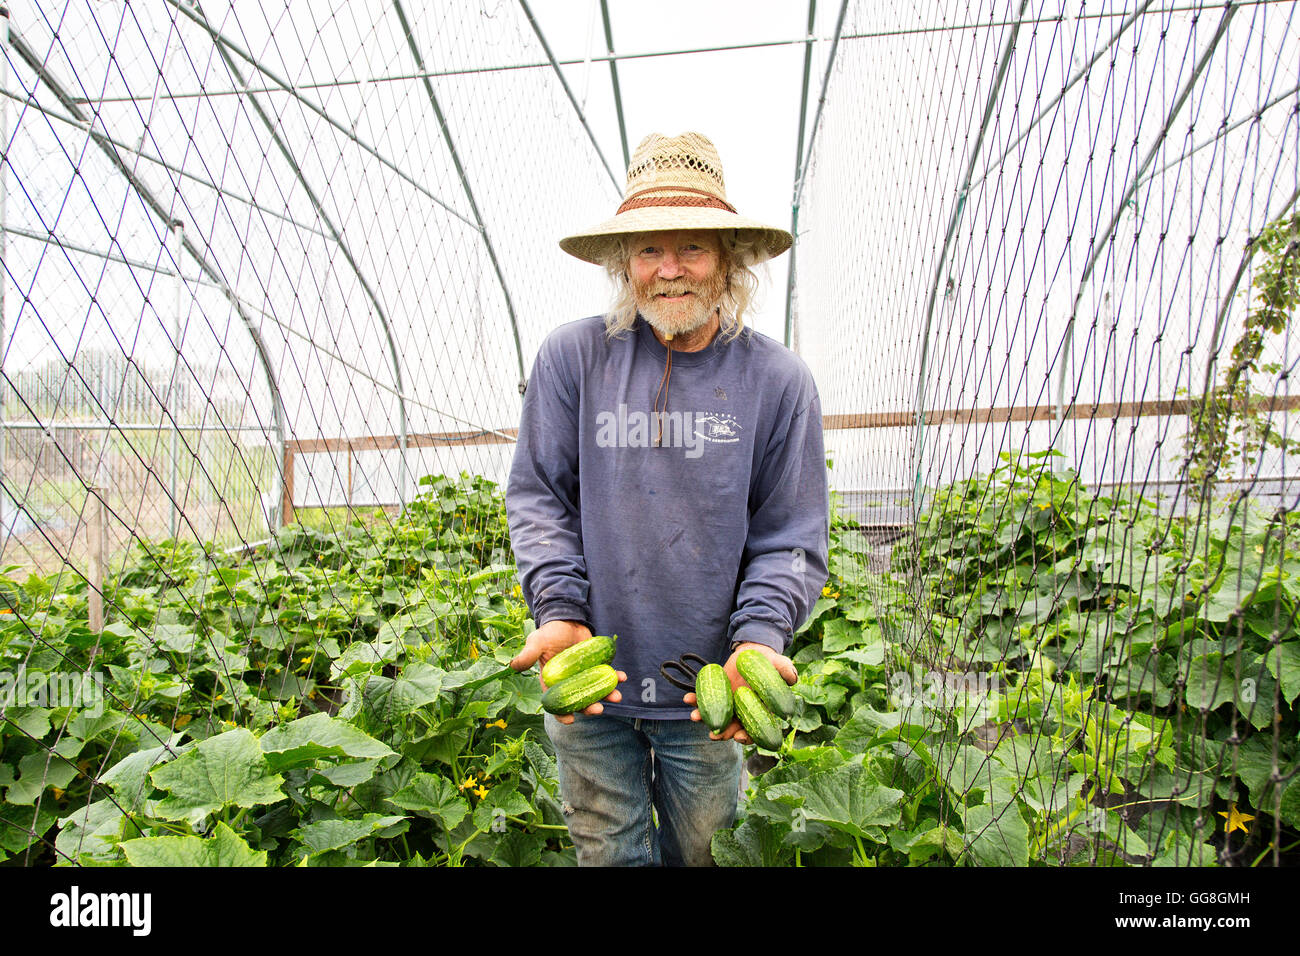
469 192
1067 342
164 216
613 79
338 241
1004 61
582 118
798 174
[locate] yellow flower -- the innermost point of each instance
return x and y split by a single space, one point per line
469 783
826 591
496 723
1236 820
182 720
481 791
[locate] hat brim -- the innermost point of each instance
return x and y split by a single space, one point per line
594 243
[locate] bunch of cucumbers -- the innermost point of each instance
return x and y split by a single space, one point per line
579 675
762 707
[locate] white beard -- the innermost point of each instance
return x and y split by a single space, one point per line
676 318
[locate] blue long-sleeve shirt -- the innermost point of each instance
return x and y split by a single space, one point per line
715 535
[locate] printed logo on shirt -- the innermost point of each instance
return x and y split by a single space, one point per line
717 427
688 430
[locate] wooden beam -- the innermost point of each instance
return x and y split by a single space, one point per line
316 446
892 419
1034 413
286 499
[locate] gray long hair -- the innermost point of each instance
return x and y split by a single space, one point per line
737 256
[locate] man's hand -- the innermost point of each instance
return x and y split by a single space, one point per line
547 641
784 666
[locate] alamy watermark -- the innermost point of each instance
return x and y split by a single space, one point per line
622 428
24 688
945 691
78 908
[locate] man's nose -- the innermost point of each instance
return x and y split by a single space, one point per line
670 266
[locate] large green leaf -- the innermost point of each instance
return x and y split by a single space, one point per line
348 774
839 635
518 848
996 834
1290 809
32 722
939 840
430 795
1210 682
307 739
1284 664
224 848
336 834
756 842
1253 762
227 770
37 772
177 638
22 826
969 769
501 802
392 698
129 777
92 830
844 798
867 727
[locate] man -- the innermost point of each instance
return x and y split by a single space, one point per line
669 487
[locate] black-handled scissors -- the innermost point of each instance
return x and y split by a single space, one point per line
680 665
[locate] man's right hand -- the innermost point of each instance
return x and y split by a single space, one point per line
547 641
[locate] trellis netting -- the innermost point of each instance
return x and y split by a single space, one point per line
243 272
1045 282
274 277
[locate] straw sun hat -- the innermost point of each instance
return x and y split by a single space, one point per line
674 182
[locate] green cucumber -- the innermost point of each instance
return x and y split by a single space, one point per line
713 697
580 690
762 675
578 657
759 722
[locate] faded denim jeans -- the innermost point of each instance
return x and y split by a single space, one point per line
642 792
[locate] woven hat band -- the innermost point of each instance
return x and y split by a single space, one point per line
700 199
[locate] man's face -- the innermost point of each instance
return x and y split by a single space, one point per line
677 279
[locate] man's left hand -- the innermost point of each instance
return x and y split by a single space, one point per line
784 666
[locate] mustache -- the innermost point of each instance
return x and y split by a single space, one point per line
678 287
